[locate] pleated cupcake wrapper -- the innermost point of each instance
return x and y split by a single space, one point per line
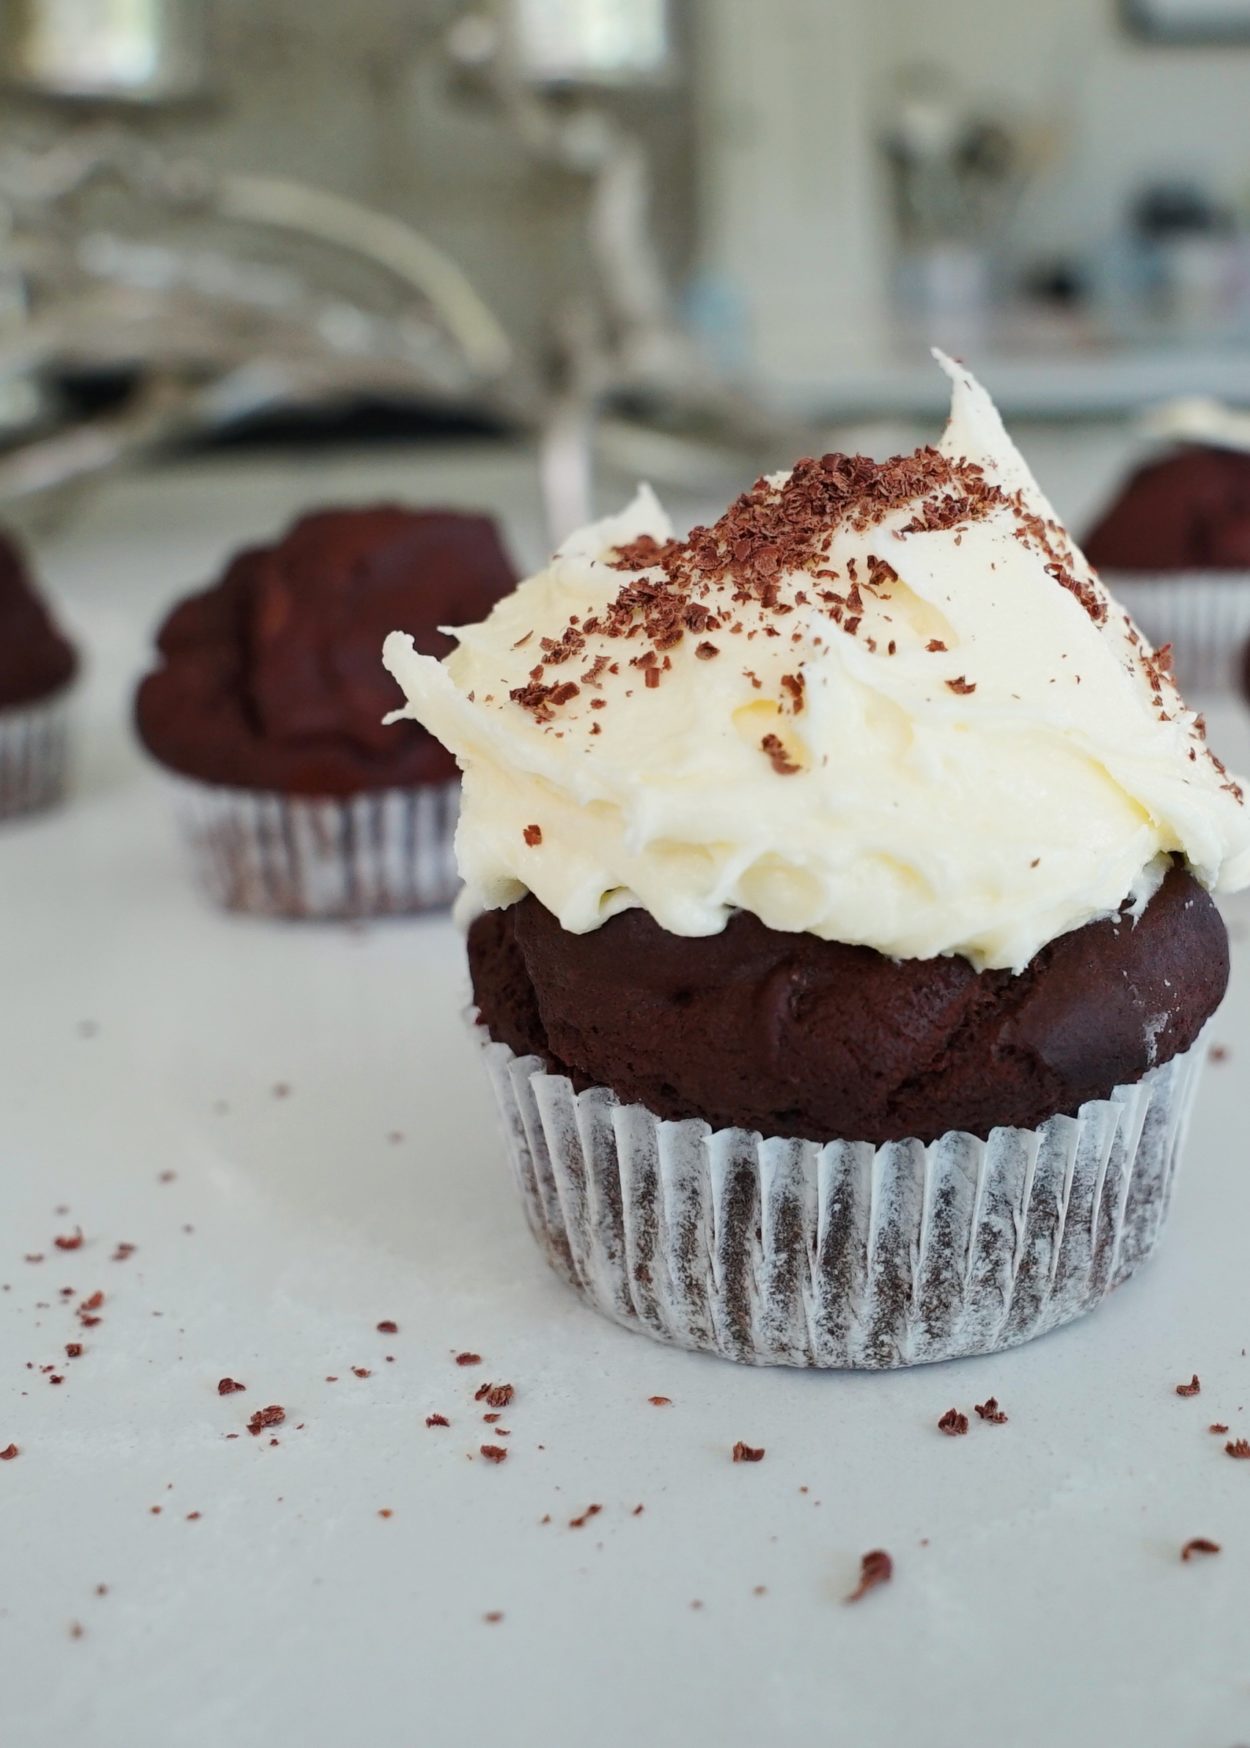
384 853
772 1251
34 754
1204 615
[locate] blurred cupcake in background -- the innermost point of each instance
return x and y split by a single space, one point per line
266 710
37 668
844 937
1174 543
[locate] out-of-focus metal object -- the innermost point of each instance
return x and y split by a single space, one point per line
106 51
626 369
224 294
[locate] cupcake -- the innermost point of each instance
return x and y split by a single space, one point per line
266 709
37 665
842 936
1175 547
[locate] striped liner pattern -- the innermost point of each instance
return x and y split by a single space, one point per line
1204 615
34 755
385 853
776 1252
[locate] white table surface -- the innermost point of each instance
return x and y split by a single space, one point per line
1038 1594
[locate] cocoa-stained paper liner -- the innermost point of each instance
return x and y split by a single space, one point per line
34 754
383 853
792 1253
1204 615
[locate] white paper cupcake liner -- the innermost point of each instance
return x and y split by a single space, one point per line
384 853
34 754
1204 615
778 1252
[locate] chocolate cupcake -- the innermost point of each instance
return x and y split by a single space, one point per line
844 938
37 667
267 707
1175 547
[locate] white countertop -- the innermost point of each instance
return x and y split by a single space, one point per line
1038 1595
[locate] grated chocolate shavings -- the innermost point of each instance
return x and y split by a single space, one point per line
9 1452
744 1453
228 1386
989 1410
660 1401
585 1517
1217 1426
494 1453
953 1423
70 1241
497 1395
533 835
437 1420
1192 1388
73 1350
1238 1447
875 1568
1199 1545
962 686
779 758
468 1359
388 1327
274 1415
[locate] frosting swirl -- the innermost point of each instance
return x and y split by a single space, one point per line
886 703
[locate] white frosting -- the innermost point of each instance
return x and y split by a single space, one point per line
921 819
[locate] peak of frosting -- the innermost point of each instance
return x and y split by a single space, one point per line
884 702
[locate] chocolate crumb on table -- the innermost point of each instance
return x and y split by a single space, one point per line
989 1410
494 1453
362 1371
1199 1545
437 1420
744 1453
1217 1426
954 1423
9 1452
388 1327
1192 1388
581 1521
70 1241
533 835
875 1568
493 1616
497 1395
660 1401
468 1359
227 1386
274 1415
1238 1447
1218 1053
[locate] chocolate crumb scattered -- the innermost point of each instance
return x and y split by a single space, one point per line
1217 1426
437 1420
875 1568
580 1522
707 652
494 1453
744 1453
193 1517
1199 1545
493 1616
385 1511
76 1629
497 1395
778 757
70 1241
468 1359
73 1350
387 1327
935 645
962 685
274 1415
362 1371
491 1418
638 1511
8 1453
953 1423
533 835
228 1386
123 1251
660 1401
1238 1447
1192 1388
989 1410
1218 1053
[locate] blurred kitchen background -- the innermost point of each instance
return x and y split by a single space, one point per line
611 238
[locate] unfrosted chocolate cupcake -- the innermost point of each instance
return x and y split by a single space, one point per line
269 700
845 938
37 667
1174 545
